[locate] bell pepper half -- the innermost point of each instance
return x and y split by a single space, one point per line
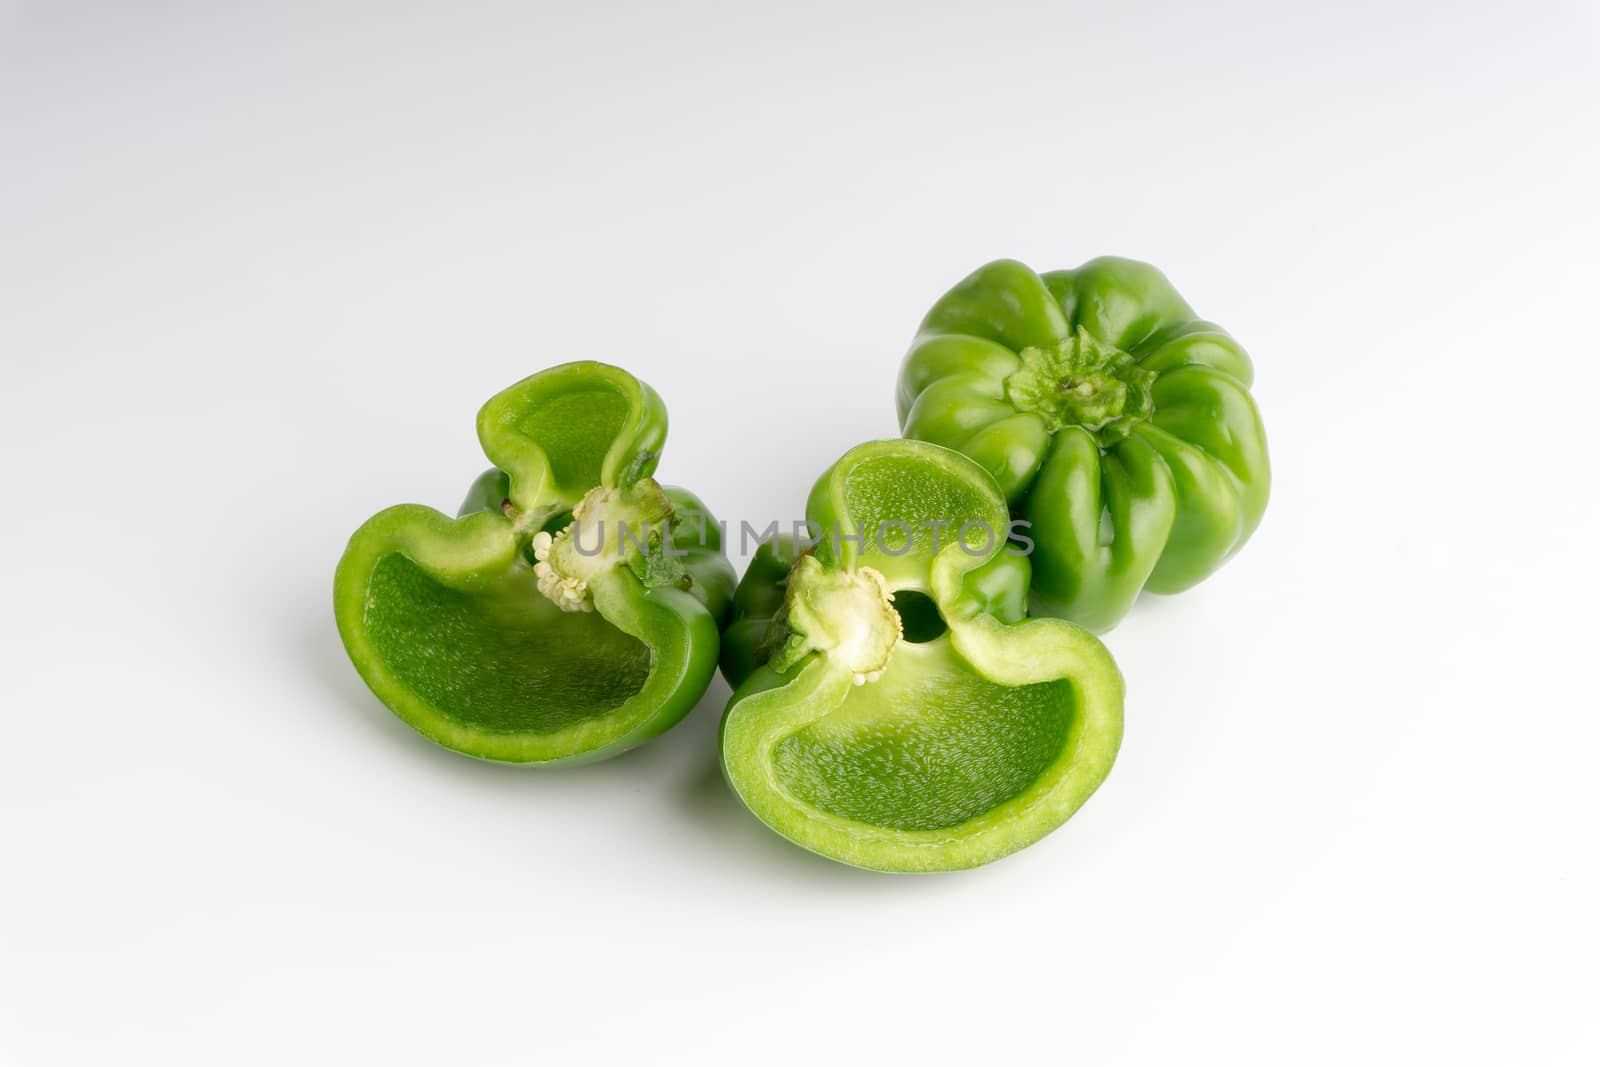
571 610
894 708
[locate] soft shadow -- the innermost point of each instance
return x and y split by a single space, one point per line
700 798
319 649
711 810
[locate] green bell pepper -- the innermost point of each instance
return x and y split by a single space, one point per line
572 608
1116 423
894 708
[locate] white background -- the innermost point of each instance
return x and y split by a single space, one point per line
259 269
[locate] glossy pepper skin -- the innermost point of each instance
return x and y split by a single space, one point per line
894 708
1116 422
533 628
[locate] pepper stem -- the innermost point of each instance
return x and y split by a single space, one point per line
1083 382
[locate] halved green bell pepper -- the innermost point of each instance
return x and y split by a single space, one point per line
894 708
571 611
1115 421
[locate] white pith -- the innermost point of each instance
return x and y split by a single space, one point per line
847 616
562 571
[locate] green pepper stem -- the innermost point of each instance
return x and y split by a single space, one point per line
1083 382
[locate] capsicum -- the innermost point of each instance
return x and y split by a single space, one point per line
1117 423
894 708
570 610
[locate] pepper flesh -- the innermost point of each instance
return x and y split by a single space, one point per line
452 625
859 742
1117 423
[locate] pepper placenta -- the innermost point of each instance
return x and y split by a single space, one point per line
572 608
1116 422
894 709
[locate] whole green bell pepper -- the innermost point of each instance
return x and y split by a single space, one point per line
1116 422
894 708
571 611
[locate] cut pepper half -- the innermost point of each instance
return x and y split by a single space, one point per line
1115 421
571 610
894 708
